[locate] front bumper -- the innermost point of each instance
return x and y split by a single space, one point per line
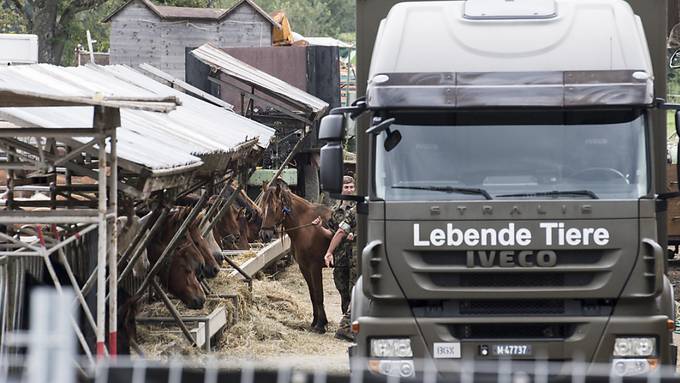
588 339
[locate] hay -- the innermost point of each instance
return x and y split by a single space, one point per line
273 324
242 258
165 341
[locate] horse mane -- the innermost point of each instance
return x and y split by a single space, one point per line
319 209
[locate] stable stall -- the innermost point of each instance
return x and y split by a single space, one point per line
153 158
29 148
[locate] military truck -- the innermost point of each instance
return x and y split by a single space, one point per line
511 170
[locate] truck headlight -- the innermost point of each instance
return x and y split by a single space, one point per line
633 347
632 367
391 348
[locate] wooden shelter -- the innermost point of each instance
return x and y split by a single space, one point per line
143 32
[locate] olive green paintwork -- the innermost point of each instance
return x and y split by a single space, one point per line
400 295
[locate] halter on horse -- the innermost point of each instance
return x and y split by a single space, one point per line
294 214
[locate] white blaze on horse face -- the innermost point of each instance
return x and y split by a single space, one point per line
212 242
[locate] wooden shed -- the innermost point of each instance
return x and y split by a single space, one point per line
143 32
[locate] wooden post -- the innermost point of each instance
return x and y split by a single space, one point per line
101 246
113 244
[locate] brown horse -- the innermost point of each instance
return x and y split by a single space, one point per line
281 207
230 230
252 215
180 275
240 224
210 258
210 266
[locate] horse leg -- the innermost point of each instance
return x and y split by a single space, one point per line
317 283
308 279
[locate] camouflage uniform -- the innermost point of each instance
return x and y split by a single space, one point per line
345 256
345 273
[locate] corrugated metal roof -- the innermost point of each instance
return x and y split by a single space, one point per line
29 85
233 67
155 140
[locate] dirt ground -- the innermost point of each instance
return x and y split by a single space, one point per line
273 328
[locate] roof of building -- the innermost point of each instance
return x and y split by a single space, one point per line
233 67
156 141
38 85
189 13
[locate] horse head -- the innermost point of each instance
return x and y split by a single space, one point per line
182 271
211 268
253 217
230 231
183 276
275 206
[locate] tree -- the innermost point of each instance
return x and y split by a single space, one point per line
62 24
315 17
10 20
53 22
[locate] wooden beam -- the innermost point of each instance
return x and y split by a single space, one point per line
287 110
16 98
265 257
75 153
48 132
77 169
186 86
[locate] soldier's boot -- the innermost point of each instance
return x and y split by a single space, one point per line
345 330
345 299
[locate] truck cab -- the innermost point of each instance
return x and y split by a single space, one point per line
511 208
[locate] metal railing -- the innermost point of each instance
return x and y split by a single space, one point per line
51 357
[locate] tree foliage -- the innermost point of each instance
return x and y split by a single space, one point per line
315 17
62 24
53 21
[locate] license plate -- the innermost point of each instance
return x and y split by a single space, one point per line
511 350
446 350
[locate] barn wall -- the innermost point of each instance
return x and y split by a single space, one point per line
178 35
134 36
244 27
139 36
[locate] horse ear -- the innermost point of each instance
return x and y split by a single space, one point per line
278 188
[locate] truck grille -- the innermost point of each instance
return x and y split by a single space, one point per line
512 331
512 280
575 270
512 307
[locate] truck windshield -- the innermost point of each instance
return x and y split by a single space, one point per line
531 158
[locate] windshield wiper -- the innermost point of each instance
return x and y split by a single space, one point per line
554 193
448 189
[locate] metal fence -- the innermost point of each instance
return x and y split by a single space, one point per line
51 357
211 370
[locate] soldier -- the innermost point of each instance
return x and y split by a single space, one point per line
341 253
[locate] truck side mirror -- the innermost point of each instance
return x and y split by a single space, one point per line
331 130
332 127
